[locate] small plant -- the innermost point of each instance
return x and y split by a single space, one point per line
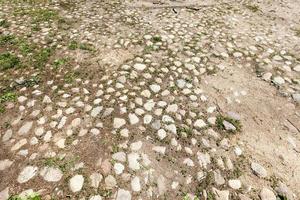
25 48
2 109
8 61
63 164
30 197
8 96
156 39
73 45
4 23
253 8
7 40
86 46
31 82
71 76
42 15
297 31
41 57
220 125
60 62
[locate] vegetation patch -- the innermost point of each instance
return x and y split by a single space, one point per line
8 61
30 197
41 57
156 39
220 125
38 15
71 76
7 40
73 45
253 8
4 23
62 163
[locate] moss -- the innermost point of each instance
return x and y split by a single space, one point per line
8 61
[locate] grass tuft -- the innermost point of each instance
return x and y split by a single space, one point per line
8 61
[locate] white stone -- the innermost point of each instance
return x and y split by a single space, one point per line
119 122
297 68
161 133
51 174
119 156
96 197
76 183
19 144
136 146
123 195
259 170
278 80
159 149
133 119
25 128
155 88
5 164
119 168
139 66
96 111
267 194
133 161
235 184
95 179
110 181
135 184
147 119
199 123
27 173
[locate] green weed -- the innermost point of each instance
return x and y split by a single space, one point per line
8 61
